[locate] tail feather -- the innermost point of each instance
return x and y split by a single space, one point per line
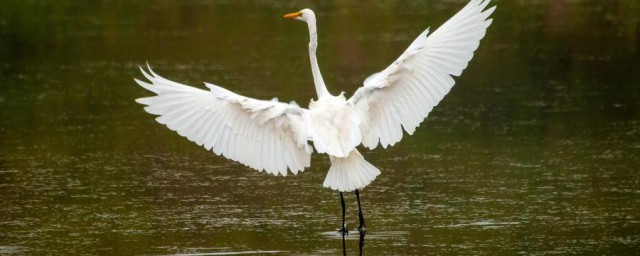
350 173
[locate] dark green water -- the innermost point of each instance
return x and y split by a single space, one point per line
536 150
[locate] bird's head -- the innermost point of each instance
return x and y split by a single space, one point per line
305 15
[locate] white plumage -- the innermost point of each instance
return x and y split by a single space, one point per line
264 135
274 136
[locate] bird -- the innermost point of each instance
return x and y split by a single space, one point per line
278 137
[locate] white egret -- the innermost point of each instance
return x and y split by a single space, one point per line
274 136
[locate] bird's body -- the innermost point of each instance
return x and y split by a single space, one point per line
336 130
276 137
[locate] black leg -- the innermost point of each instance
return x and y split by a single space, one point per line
360 217
344 244
343 228
362 234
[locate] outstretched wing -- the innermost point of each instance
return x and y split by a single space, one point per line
403 94
264 135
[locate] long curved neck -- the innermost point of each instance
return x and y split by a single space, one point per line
321 88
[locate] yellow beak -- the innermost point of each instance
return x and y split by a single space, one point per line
292 15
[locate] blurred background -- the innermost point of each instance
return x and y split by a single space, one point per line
535 151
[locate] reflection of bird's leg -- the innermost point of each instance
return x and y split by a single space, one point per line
360 217
344 244
362 233
343 228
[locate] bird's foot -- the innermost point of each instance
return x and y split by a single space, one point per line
343 230
362 228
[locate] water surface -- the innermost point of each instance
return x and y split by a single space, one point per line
535 151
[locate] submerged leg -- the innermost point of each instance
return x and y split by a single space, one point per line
362 234
344 244
343 228
360 217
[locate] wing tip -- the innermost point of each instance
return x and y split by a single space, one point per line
145 74
489 11
146 85
143 101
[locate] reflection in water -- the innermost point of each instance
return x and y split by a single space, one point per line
361 241
228 253
361 235
344 242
